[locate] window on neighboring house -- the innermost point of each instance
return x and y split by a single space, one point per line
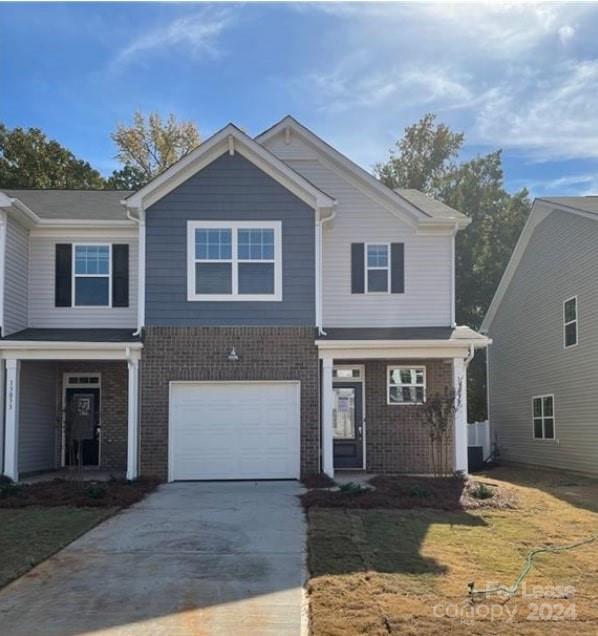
91 273
234 261
570 321
377 267
406 385
543 416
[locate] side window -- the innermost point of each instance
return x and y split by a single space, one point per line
543 416
570 322
377 268
91 272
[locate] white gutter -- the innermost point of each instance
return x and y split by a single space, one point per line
140 220
12 345
3 220
371 344
319 267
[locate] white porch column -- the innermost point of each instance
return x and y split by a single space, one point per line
133 420
327 412
460 388
11 420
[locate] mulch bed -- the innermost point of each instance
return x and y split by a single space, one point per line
397 492
115 493
320 480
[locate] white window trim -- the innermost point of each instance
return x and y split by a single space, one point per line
234 226
565 323
553 418
388 384
387 268
74 275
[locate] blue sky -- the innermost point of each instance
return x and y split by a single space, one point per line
519 77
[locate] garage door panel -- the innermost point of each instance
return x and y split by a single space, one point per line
234 430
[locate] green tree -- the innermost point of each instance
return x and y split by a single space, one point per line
150 145
127 178
28 159
426 158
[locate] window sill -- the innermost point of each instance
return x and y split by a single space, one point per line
229 298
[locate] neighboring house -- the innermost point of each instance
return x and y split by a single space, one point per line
542 371
262 309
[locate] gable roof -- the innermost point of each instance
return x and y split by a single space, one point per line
73 204
229 139
541 208
423 209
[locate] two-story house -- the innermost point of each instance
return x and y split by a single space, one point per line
262 309
542 371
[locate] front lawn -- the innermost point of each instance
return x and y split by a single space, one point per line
39 519
391 570
30 535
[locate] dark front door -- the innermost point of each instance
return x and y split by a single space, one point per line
82 424
348 426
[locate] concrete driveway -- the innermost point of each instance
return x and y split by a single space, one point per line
193 558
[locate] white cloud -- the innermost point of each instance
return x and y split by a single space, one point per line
554 117
198 33
566 33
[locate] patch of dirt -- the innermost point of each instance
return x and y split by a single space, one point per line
319 480
116 493
398 492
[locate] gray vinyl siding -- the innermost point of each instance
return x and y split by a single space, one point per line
16 277
232 189
38 430
42 311
528 357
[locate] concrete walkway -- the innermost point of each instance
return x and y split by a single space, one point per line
192 559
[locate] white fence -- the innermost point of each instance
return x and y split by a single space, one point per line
478 434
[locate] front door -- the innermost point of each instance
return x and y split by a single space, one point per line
82 427
348 425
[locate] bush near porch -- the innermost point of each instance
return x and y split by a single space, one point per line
391 570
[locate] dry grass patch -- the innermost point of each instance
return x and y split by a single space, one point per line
407 571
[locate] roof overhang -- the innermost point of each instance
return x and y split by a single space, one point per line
230 139
53 350
367 183
386 349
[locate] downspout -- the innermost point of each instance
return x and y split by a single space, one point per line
140 220
319 282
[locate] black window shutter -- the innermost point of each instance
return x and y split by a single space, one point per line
357 268
63 266
120 275
397 268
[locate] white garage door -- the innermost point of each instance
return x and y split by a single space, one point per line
234 430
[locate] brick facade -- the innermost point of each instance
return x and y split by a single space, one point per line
200 353
397 440
113 407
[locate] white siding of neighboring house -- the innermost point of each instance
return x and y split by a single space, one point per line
428 270
43 313
16 277
38 428
527 356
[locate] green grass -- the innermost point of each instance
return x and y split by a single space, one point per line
30 535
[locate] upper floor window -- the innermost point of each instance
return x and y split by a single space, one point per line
91 274
240 260
377 267
570 321
543 416
406 385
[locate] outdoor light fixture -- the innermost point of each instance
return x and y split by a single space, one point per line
232 356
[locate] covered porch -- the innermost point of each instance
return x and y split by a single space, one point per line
70 402
373 385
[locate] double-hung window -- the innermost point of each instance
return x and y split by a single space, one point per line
570 322
377 262
238 260
91 275
543 416
406 385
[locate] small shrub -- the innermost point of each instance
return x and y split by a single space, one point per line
8 488
420 493
96 491
352 488
482 492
